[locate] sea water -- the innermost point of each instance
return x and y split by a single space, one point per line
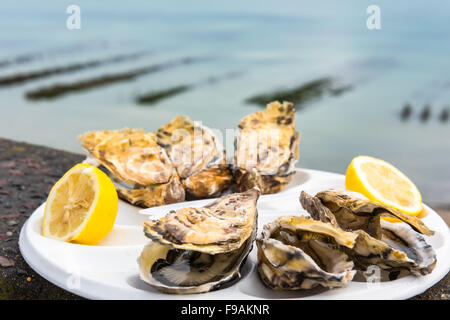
269 45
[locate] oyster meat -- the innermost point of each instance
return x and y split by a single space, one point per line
194 250
266 148
301 253
197 155
392 246
140 169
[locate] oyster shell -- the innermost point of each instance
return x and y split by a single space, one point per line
353 211
194 250
301 253
400 248
403 239
267 147
392 246
197 155
140 169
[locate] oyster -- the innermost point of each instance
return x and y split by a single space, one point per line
139 167
194 250
353 211
301 253
392 246
267 147
197 155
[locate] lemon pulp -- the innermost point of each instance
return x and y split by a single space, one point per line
81 207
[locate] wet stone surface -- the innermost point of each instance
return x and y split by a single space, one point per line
27 173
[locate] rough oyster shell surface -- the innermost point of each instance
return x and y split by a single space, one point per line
266 183
353 211
392 246
267 147
400 248
152 195
208 182
197 155
301 253
140 168
195 250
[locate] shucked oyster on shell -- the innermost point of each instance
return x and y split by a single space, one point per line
354 211
301 253
140 169
197 155
195 250
391 246
267 147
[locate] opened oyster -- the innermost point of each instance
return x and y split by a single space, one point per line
301 253
197 155
267 147
391 246
139 167
196 250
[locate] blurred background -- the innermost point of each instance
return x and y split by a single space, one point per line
383 93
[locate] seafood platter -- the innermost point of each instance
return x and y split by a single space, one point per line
169 214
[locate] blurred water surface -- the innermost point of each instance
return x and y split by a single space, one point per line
270 45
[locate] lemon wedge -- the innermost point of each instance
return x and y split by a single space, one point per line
81 207
380 181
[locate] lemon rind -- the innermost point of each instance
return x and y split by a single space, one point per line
358 161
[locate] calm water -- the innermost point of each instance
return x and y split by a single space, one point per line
271 44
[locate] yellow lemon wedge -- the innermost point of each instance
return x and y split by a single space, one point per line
380 181
81 207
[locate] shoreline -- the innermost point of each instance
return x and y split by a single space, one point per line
27 172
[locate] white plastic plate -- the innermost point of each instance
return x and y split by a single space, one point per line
109 270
